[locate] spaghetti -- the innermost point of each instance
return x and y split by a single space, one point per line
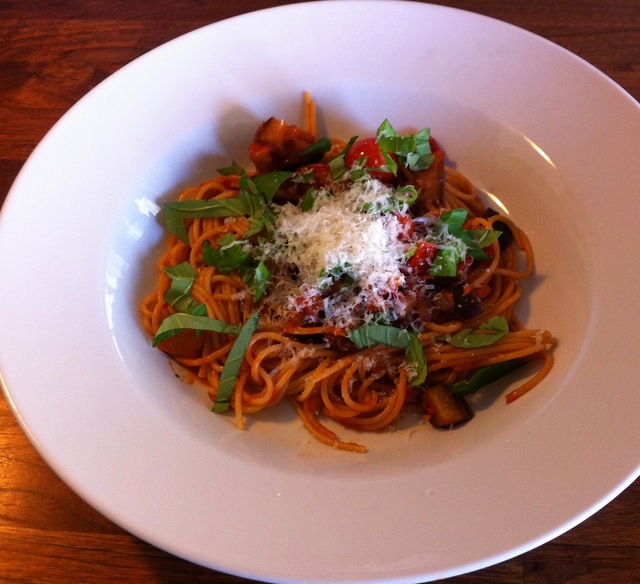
351 279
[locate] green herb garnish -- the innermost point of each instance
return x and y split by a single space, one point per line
316 150
180 321
176 212
412 150
251 202
485 376
456 243
257 278
309 199
179 293
370 335
230 254
337 165
486 334
229 375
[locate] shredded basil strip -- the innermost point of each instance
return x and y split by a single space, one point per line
251 202
257 278
337 165
472 338
309 199
180 321
257 194
177 211
369 335
229 375
267 184
234 169
316 150
485 376
416 361
475 239
445 263
179 293
229 255
456 242
413 150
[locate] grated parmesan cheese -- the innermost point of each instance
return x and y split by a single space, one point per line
338 237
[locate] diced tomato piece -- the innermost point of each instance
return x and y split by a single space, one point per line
407 227
420 262
309 304
321 173
369 150
464 264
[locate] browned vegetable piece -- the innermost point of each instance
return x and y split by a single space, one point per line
277 145
445 409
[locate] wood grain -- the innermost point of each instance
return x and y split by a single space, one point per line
53 53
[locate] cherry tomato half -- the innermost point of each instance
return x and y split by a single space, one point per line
369 149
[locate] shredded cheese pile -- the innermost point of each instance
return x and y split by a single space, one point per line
342 234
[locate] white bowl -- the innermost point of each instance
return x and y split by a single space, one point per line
531 124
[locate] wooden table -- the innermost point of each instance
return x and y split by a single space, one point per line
51 54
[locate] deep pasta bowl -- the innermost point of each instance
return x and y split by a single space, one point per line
108 414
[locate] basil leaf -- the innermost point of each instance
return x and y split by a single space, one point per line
257 279
337 165
262 219
479 239
316 150
485 376
256 194
251 202
397 202
471 338
234 169
179 293
176 212
183 270
308 200
445 263
413 150
369 335
180 321
475 239
416 361
385 130
229 255
229 375
196 310
267 184
390 165
449 234
453 220
483 237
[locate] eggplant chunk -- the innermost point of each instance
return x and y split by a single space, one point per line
277 145
444 408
